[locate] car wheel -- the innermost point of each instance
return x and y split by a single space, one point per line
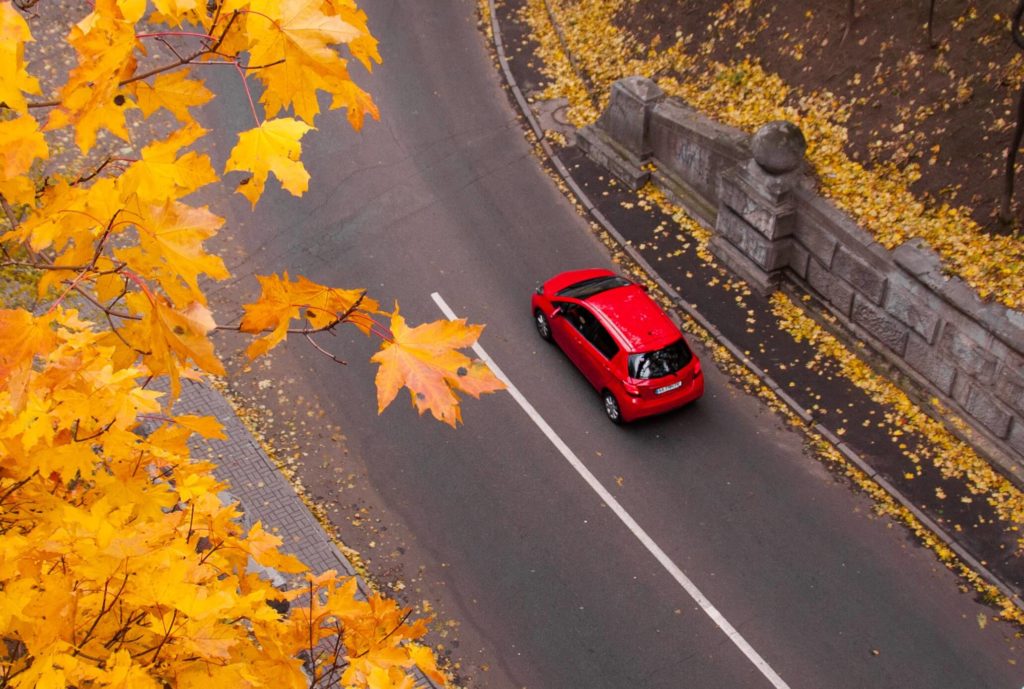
543 327
611 407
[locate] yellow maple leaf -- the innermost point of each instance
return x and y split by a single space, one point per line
283 300
14 33
169 338
263 547
295 51
21 143
170 249
275 147
363 47
174 91
390 678
426 360
426 661
174 12
358 102
161 174
22 337
92 98
206 426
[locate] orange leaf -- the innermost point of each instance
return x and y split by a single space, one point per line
425 360
14 33
272 147
171 338
21 143
282 300
173 91
92 98
263 547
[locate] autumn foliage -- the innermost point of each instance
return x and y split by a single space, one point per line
120 562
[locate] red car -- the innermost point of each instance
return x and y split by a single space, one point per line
621 340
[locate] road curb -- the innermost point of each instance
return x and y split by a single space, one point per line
692 311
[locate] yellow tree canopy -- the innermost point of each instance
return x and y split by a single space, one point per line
119 563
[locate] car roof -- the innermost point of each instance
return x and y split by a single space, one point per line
574 277
641 324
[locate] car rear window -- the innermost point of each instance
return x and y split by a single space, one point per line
661 362
588 288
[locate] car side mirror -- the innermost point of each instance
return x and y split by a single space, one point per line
557 312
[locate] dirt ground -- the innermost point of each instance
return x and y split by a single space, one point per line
947 106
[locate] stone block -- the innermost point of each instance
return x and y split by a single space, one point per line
967 354
692 147
1010 389
832 289
772 218
768 255
761 281
816 238
984 408
1015 438
689 160
799 258
604 151
862 277
911 311
925 360
627 115
880 325
962 296
918 259
700 207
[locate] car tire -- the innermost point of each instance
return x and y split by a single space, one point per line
540 321
611 407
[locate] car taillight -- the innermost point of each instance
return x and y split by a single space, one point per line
631 390
696 368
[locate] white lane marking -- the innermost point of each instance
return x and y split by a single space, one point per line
655 550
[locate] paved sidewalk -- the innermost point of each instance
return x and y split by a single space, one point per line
264 493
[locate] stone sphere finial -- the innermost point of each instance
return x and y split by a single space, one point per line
779 147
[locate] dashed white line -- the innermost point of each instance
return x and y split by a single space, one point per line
641 535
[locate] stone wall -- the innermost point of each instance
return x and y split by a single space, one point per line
772 227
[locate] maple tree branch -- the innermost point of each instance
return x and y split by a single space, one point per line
97 171
107 309
121 633
11 218
74 433
167 636
191 517
9 212
290 331
14 487
325 352
103 608
396 628
269 64
311 601
41 266
248 93
103 239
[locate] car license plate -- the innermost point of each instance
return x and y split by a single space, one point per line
668 388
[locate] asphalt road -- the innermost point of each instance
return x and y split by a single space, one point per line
536 582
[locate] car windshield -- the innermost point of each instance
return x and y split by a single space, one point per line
588 288
660 363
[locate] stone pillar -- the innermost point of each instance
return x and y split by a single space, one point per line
756 213
618 140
